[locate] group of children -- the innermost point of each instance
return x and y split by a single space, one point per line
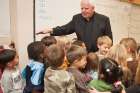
66 67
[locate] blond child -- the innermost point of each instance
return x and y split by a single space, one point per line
131 47
103 43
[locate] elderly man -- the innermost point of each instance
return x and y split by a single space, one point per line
88 26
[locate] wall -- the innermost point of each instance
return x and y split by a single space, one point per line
5 36
21 12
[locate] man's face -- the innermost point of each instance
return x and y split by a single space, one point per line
87 10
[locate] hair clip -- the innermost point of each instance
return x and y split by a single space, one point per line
108 70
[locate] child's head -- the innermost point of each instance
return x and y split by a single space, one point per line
76 56
103 44
79 43
36 51
92 62
9 58
64 42
109 70
118 53
49 40
55 55
131 46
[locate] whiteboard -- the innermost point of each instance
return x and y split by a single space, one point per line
124 17
4 18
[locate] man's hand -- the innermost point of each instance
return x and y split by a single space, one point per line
45 31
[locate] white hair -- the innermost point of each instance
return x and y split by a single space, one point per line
91 2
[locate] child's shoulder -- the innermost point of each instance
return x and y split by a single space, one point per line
58 74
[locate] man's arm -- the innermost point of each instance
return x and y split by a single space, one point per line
60 30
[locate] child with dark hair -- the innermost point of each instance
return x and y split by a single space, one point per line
11 80
92 65
49 40
109 77
34 71
56 79
76 56
79 43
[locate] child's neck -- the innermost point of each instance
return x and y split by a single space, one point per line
73 66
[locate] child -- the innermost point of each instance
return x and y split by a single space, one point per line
56 79
49 40
76 56
103 43
131 47
136 87
79 43
91 67
34 71
109 74
119 54
11 80
64 42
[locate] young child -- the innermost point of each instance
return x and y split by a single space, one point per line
34 71
64 42
103 43
49 40
56 79
109 75
79 43
136 87
131 47
11 80
92 65
119 54
76 56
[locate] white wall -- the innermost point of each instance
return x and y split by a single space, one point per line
4 22
21 12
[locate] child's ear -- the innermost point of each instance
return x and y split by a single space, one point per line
9 64
98 45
